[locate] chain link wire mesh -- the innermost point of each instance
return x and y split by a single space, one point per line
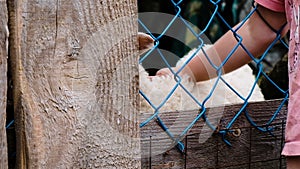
204 22
207 21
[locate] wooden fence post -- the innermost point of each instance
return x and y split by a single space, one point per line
3 82
75 83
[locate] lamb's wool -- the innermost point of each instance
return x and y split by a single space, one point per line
156 89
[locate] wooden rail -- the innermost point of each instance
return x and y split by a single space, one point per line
250 147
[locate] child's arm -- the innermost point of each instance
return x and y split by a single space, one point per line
257 36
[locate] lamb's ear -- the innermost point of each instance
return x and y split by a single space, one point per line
145 42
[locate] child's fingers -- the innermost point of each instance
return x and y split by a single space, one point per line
164 72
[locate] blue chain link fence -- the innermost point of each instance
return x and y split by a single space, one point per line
206 21
194 24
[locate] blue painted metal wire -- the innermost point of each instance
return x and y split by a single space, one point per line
10 124
202 112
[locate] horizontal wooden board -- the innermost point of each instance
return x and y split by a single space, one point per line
206 149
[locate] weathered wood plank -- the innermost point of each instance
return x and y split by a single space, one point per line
205 149
75 83
3 82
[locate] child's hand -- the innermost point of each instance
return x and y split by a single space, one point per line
166 72
185 73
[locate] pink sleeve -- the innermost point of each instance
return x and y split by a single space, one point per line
274 5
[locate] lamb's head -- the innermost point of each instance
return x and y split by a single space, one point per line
157 88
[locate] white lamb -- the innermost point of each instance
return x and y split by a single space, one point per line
157 88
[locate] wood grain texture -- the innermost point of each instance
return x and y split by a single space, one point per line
205 149
76 83
3 82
